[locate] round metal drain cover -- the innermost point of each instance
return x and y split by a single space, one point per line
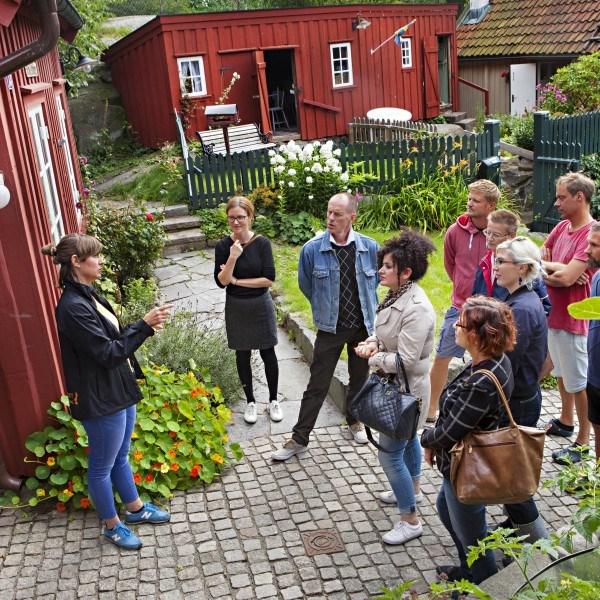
322 541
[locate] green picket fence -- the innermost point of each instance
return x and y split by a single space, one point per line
214 179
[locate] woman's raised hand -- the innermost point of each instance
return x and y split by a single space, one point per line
236 249
158 315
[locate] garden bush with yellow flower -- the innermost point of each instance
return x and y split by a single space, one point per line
180 439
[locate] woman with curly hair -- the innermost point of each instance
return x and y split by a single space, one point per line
405 325
485 328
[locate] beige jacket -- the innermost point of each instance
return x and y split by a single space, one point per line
407 327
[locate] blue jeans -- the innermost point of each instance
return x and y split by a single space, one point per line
402 466
108 461
466 525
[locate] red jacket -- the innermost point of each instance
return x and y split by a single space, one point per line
464 247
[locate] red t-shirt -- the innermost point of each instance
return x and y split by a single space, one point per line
566 245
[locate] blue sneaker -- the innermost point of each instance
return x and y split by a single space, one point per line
148 514
123 537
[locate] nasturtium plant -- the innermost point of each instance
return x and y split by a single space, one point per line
180 439
585 309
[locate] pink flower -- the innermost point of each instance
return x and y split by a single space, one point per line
85 192
83 160
149 216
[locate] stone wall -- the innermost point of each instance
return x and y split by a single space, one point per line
516 174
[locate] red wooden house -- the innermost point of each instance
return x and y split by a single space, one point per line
319 59
39 164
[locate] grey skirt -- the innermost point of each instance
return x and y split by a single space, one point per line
250 322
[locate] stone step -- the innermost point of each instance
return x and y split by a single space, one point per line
180 223
183 241
467 124
453 116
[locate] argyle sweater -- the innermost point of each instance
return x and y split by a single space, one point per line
350 314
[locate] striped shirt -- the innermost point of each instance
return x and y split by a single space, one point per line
470 401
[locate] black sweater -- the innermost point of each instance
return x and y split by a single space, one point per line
255 261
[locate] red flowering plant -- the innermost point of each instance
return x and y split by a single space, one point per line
180 438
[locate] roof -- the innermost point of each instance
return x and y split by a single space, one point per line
533 28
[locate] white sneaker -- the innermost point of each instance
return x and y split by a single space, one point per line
275 411
402 533
251 413
358 433
390 498
289 449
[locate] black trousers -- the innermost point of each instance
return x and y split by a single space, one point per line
328 347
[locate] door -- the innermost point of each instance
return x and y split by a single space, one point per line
431 86
64 143
263 91
40 135
244 91
444 69
522 88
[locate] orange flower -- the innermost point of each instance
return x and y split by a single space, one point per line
194 392
149 477
84 503
137 455
165 405
195 471
70 486
51 461
175 467
137 478
60 507
172 453
172 434
156 465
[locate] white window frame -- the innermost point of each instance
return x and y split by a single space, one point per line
406 50
337 66
201 89
40 134
64 142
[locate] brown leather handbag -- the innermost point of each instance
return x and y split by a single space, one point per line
500 466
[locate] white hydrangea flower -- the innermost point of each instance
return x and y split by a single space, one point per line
279 169
317 168
273 160
349 190
309 180
306 169
310 197
291 172
328 144
326 169
316 143
291 184
271 152
332 162
344 177
337 152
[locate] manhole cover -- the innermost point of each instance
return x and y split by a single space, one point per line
322 541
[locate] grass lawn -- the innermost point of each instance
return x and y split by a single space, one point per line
435 283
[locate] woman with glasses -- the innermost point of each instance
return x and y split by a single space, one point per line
517 266
485 328
244 266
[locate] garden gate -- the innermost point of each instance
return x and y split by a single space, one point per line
559 145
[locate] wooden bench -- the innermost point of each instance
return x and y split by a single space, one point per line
242 138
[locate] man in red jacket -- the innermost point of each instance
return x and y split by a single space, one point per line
464 247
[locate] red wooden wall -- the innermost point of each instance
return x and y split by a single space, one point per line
30 373
144 64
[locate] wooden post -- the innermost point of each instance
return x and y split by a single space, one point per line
540 120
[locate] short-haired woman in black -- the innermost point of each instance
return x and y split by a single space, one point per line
244 265
100 372
485 328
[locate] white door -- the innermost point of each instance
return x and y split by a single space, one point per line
46 171
64 143
522 88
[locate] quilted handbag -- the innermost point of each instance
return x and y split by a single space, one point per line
381 404
500 466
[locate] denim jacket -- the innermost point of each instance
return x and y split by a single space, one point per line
319 280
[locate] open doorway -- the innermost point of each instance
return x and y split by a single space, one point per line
444 70
281 84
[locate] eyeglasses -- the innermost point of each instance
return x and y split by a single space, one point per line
240 219
457 324
502 261
494 235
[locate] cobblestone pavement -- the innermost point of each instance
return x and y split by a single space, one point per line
241 537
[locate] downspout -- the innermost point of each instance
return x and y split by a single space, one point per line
48 18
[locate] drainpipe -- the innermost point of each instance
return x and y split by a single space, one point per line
48 18
8 481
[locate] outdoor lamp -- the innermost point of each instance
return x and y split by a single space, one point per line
84 63
360 23
4 192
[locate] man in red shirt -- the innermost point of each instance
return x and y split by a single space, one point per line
568 279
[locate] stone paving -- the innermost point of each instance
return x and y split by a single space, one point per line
240 537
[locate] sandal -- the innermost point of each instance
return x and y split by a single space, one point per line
556 427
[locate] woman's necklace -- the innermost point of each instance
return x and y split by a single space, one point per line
244 241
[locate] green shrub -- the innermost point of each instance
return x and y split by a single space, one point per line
265 199
186 337
294 228
522 132
132 240
139 295
590 165
264 226
213 222
180 438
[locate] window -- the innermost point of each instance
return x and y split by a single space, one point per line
46 171
64 142
406 49
191 76
341 64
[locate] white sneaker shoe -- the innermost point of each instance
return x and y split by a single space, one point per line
402 533
358 433
251 413
390 498
289 449
275 411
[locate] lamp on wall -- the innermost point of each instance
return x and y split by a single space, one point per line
4 192
360 23
84 63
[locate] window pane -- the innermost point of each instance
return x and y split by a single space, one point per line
335 52
185 68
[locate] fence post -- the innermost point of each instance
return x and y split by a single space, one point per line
540 124
490 165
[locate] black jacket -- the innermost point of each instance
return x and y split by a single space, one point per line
99 378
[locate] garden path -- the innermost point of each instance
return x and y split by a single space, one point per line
242 536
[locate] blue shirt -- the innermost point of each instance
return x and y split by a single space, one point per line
593 341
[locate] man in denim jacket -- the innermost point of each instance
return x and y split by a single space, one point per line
337 272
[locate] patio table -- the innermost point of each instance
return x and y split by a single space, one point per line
389 113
